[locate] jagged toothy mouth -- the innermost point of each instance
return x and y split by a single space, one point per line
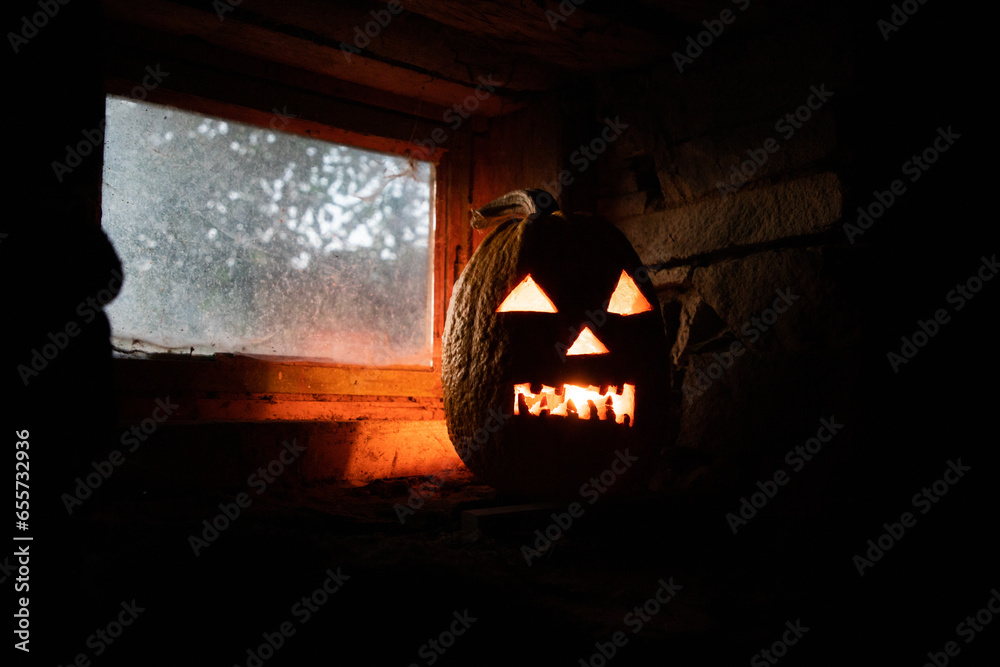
605 403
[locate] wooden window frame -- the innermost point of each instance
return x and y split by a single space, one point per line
309 389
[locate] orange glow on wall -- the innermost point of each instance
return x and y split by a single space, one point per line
527 297
382 449
627 299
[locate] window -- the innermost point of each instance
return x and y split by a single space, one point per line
242 239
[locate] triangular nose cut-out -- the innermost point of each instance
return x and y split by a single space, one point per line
527 297
627 299
586 343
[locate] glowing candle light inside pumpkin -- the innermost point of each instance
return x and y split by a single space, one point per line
627 299
527 297
586 343
556 401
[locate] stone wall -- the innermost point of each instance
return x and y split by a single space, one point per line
728 182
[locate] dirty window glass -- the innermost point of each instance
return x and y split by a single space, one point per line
237 238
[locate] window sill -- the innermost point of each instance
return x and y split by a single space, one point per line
234 388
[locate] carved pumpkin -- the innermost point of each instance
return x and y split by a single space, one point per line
553 354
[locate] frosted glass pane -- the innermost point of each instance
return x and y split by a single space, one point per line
237 238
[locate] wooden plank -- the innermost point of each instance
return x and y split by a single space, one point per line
251 40
578 40
406 37
229 407
374 129
241 374
131 47
520 150
455 203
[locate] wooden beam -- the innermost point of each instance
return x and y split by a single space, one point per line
406 38
378 137
574 38
128 42
323 58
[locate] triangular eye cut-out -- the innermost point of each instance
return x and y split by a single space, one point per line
527 297
586 343
627 299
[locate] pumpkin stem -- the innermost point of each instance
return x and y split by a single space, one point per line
519 205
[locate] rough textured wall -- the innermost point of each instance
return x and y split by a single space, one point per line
728 181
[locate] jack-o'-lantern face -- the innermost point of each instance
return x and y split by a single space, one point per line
553 355
606 402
